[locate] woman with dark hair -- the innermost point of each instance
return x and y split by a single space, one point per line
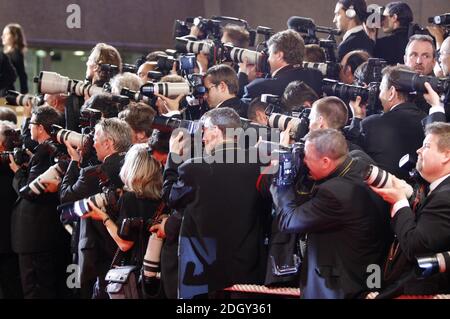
14 46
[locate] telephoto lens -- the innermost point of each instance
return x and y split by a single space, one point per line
433 264
37 187
380 178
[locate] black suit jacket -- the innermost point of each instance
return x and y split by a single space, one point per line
387 137
426 233
17 61
35 222
280 81
355 41
236 104
392 48
7 199
347 230
95 247
225 218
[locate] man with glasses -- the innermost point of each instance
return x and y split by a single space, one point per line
396 18
222 87
37 234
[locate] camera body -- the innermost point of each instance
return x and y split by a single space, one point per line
300 124
290 164
168 124
20 156
369 95
131 228
329 69
14 146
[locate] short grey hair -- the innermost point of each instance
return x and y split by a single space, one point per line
421 38
222 117
442 131
125 80
328 143
118 131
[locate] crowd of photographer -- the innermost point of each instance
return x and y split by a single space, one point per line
239 157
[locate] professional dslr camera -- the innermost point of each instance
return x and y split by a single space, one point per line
131 228
14 98
280 121
137 96
105 200
329 69
83 142
168 124
290 164
193 87
409 81
210 28
347 92
219 53
13 145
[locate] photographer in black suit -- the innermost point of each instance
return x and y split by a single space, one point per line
345 223
396 19
398 131
225 209
286 52
37 233
222 87
349 16
96 247
9 263
424 228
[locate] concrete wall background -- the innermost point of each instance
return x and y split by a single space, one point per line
147 24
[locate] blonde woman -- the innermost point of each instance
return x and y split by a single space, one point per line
142 178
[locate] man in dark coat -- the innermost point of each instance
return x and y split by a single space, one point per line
225 210
398 131
345 223
424 228
37 233
222 87
96 247
396 18
349 16
286 52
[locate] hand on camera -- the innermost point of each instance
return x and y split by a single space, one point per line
285 136
51 185
27 108
431 96
159 228
202 62
393 194
73 153
249 69
12 164
95 212
177 143
171 104
358 109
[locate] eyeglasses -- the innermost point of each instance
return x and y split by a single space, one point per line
209 88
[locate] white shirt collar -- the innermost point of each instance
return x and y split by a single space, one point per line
352 30
437 182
